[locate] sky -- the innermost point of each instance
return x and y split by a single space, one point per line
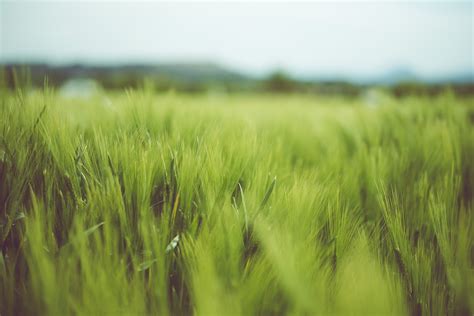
305 39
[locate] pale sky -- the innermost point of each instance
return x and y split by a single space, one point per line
344 38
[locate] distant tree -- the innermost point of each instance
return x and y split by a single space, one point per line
407 88
280 82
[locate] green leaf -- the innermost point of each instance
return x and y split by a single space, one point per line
146 265
93 229
268 193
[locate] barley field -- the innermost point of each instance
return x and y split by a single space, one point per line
168 204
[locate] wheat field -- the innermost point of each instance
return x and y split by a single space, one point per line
169 204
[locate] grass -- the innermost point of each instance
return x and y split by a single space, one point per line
136 203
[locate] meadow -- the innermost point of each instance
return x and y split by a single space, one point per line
170 204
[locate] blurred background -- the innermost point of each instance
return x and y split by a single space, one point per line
326 48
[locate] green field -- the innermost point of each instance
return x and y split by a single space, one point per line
137 203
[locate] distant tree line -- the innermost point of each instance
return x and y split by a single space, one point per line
190 80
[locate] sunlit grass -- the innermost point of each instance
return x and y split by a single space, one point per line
138 203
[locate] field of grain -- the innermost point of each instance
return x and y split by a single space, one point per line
143 203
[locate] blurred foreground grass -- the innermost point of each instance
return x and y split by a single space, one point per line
138 203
